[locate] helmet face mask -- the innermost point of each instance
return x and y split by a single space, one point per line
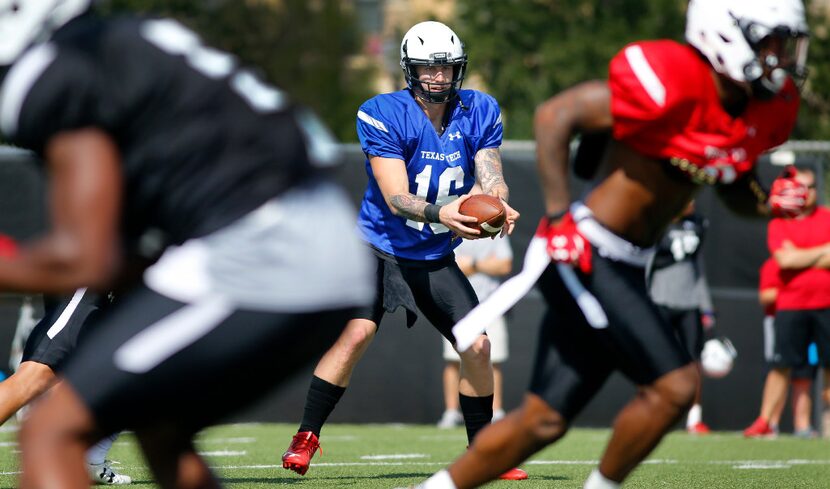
780 52
25 22
433 44
435 92
758 44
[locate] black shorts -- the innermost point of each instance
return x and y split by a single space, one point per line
573 359
157 361
438 288
687 326
806 372
795 330
63 325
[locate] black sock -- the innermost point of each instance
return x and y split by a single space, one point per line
478 412
320 401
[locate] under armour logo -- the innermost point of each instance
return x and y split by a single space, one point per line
454 136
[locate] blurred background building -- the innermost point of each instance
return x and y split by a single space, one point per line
384 23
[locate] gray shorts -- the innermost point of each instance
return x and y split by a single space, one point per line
296 253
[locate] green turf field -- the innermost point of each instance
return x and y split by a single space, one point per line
386 456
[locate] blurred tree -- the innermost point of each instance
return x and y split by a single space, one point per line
814 117
305 47
528 50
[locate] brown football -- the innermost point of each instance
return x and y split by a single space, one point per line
488 210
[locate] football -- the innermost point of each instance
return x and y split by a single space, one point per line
718 357
488 210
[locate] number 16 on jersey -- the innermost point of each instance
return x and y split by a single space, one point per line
453 174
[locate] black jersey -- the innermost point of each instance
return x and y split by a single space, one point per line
676 274
203 140
682 241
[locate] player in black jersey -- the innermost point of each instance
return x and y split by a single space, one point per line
158 145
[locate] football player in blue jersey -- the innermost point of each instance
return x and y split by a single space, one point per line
427 148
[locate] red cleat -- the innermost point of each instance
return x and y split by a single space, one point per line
298 456
514 475
759 429
698 428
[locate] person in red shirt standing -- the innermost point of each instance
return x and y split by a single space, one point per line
679 116
801 248
772 403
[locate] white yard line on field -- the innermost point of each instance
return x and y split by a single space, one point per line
756 466
224 453
593 462
793 461
394 456
736 464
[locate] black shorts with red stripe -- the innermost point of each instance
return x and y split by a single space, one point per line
574 359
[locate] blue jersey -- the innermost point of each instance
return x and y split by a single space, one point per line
440 168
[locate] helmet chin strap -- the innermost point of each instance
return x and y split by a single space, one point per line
449 98
433 97
441 97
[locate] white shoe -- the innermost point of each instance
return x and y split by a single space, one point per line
103 474
450 419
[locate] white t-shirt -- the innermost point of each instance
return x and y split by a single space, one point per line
480 249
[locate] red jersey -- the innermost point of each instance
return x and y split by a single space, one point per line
770 278
665 105
807 288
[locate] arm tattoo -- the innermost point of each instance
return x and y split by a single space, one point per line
409 206
489 173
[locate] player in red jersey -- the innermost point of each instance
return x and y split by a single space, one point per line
680 116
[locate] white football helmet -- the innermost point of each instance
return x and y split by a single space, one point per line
433 44
25 22
718 357
753 42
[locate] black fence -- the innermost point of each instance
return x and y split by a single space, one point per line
399 379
